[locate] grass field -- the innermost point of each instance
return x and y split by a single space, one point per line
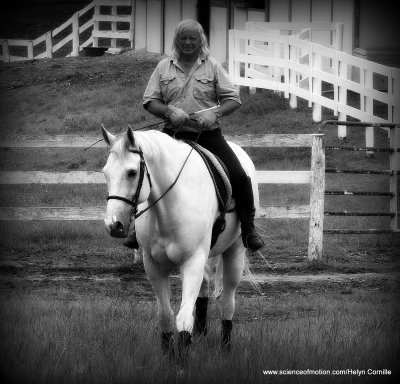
74 305
93 339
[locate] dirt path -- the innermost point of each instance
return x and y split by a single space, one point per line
334 278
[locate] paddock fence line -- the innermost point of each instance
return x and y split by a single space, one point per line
314 177
323 75
83 29
391 173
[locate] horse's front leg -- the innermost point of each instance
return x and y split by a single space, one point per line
158 275
200 321
192 276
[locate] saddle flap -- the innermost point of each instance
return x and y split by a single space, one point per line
220 176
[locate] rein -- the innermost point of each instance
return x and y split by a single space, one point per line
143 168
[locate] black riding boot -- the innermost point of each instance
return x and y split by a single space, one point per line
245 209
200 321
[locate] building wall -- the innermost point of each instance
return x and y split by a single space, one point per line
376 27
285 10
379 26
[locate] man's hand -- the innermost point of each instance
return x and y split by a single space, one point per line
207 119
176 115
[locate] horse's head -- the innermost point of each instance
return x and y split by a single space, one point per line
127 181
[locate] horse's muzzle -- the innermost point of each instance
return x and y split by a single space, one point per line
115 228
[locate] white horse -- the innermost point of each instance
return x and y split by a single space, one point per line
176 229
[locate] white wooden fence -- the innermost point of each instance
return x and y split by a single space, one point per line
325 76
315 177
45 46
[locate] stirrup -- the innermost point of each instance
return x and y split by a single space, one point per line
253 241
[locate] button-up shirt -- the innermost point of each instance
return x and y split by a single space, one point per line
207 85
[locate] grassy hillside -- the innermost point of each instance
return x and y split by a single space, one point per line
29 19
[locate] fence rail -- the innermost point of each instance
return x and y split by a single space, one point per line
52 41
314 177
392 173
325 76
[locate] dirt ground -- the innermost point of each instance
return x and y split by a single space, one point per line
76 275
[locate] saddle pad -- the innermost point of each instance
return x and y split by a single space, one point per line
220 174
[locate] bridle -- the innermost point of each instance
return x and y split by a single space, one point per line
144 169
134 202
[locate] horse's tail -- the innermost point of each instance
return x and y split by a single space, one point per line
217 277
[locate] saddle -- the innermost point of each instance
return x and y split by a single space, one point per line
220 177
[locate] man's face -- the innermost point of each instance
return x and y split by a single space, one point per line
189 43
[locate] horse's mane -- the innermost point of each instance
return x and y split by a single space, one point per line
150 142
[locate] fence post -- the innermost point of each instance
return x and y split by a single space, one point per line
75 34
96 24
276 71
395 168
317 87
286 77
368 109
293 56
114 26
6 53
132 24
30 50
342 74
317 197
396 99
49 45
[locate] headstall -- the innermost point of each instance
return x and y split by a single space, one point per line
142 170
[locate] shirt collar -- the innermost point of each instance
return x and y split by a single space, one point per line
199 60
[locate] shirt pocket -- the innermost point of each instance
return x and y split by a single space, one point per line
204 88
169 87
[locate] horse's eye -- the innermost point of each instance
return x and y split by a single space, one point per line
131 173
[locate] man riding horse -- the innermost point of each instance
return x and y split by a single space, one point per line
190 81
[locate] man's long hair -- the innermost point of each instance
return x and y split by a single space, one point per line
193 25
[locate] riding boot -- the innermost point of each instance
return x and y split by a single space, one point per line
131 240
245 209
200 321
226 331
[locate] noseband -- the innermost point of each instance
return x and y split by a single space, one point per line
135 200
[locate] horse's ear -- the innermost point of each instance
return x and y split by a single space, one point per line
130 135
107 136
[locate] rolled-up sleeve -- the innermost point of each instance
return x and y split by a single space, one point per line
226 90
153 90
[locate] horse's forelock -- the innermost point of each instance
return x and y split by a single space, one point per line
121 147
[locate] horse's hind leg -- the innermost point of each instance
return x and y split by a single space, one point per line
159 279
233 264
200 320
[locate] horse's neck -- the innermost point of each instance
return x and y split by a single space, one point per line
184 205
164 158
